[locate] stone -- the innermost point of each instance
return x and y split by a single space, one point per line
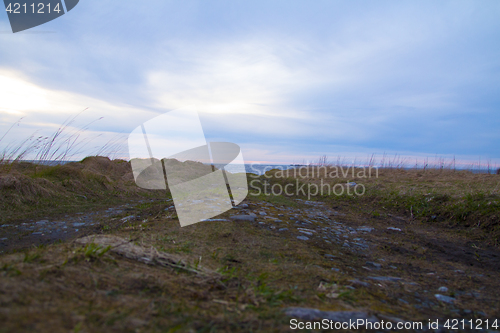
356 282
442 289
385 278
372 264
283 229
394 229
78 224
313 203
42 222
329 256
242 206
445 299
310 314
391 319
365 229
125 219
249 218
304 229
304 238
262 213
306 232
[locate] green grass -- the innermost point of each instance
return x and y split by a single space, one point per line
94 183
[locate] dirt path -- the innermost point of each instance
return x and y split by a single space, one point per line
47 230
423 269
315 255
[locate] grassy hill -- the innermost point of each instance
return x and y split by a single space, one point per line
417 245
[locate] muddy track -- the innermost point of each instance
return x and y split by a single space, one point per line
425 269
422 270
23 234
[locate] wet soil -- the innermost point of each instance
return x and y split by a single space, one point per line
22 234
399 268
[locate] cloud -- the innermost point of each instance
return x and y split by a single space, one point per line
300 78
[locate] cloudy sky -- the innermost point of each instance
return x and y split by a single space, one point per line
286 80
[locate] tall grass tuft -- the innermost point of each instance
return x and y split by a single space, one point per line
398 162
62 146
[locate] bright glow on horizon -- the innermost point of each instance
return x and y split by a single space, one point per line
287 82
18 96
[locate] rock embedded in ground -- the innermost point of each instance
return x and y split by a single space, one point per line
385 278
372 264
249 218
394 229
445 299
335 316
303 238
356 282
242 206
443 289
127 218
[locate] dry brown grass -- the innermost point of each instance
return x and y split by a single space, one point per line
223 276
27 188
467 201
149 274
